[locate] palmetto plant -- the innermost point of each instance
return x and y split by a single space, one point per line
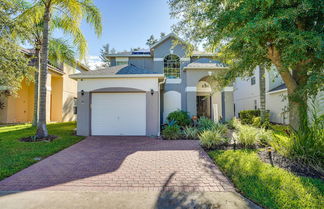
67 16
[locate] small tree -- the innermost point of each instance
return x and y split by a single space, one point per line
286 34
151 41
104 52
14 64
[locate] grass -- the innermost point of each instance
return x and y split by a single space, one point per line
271 187
16 155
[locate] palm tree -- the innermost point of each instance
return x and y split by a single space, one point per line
66 15
262 94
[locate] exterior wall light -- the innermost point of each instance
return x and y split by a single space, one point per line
209 73
82 92
152 91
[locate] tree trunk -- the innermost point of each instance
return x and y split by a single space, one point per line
36 86
41 126
262 94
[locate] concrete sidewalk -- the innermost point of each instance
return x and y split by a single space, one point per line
123 200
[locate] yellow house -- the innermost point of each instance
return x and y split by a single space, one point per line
60 101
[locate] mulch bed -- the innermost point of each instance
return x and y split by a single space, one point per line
49 138
290 165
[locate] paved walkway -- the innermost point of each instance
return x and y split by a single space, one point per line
123 164
106 165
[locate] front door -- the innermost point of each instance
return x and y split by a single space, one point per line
203 106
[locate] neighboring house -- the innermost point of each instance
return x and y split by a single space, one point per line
61 97
247 95
135 95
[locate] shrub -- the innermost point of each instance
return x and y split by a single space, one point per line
222 128
247 116
256 122
171 132
305 145
211 139
247 136
180 117
265 137
205 123
190 132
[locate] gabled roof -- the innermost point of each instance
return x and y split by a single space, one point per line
282 87
117 71
205 63
170 35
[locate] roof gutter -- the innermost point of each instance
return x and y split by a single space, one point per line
204 68
80 76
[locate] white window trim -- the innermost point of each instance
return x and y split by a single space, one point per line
191 89
173 80
158 59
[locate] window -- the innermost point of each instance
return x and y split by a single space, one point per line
75 105
172 66
252 80
121 61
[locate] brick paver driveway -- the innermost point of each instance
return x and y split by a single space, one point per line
123 164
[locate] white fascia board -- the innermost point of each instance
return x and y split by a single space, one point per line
204 68
278 91
185 59
118 76
228 88
191 89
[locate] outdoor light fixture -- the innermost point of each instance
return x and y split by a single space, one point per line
82 92
152 91
209 73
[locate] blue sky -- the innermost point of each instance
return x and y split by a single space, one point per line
128 24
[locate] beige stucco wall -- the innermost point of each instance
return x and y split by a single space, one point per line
68 94
61 91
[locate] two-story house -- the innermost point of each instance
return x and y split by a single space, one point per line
137 92
247 95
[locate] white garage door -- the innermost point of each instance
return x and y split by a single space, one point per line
118 114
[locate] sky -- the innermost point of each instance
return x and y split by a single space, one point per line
128 24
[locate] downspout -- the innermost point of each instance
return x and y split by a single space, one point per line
160 83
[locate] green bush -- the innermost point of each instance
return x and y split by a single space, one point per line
247 136
171 132
190 132
205 123
256 122
269 186
211 139
264 137
180 117
246 116
222 128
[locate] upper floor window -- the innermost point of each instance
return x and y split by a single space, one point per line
252 80
172 66
121 61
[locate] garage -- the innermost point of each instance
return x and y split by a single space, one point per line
118 114
118 101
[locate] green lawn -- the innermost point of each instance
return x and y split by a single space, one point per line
271 187
16 155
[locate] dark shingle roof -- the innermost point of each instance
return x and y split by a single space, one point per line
206 63
282 86
118 70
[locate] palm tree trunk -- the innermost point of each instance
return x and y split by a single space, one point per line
36 86
262 94
41 126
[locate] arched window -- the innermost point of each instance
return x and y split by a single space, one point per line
172 66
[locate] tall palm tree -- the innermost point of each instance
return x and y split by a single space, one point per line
70 13
262 94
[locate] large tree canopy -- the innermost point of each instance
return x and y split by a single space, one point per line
285 33
13 63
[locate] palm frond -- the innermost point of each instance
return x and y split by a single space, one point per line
60 51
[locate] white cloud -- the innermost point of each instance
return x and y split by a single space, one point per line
93 62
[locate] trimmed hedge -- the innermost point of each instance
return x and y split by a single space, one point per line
250 116
180 117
